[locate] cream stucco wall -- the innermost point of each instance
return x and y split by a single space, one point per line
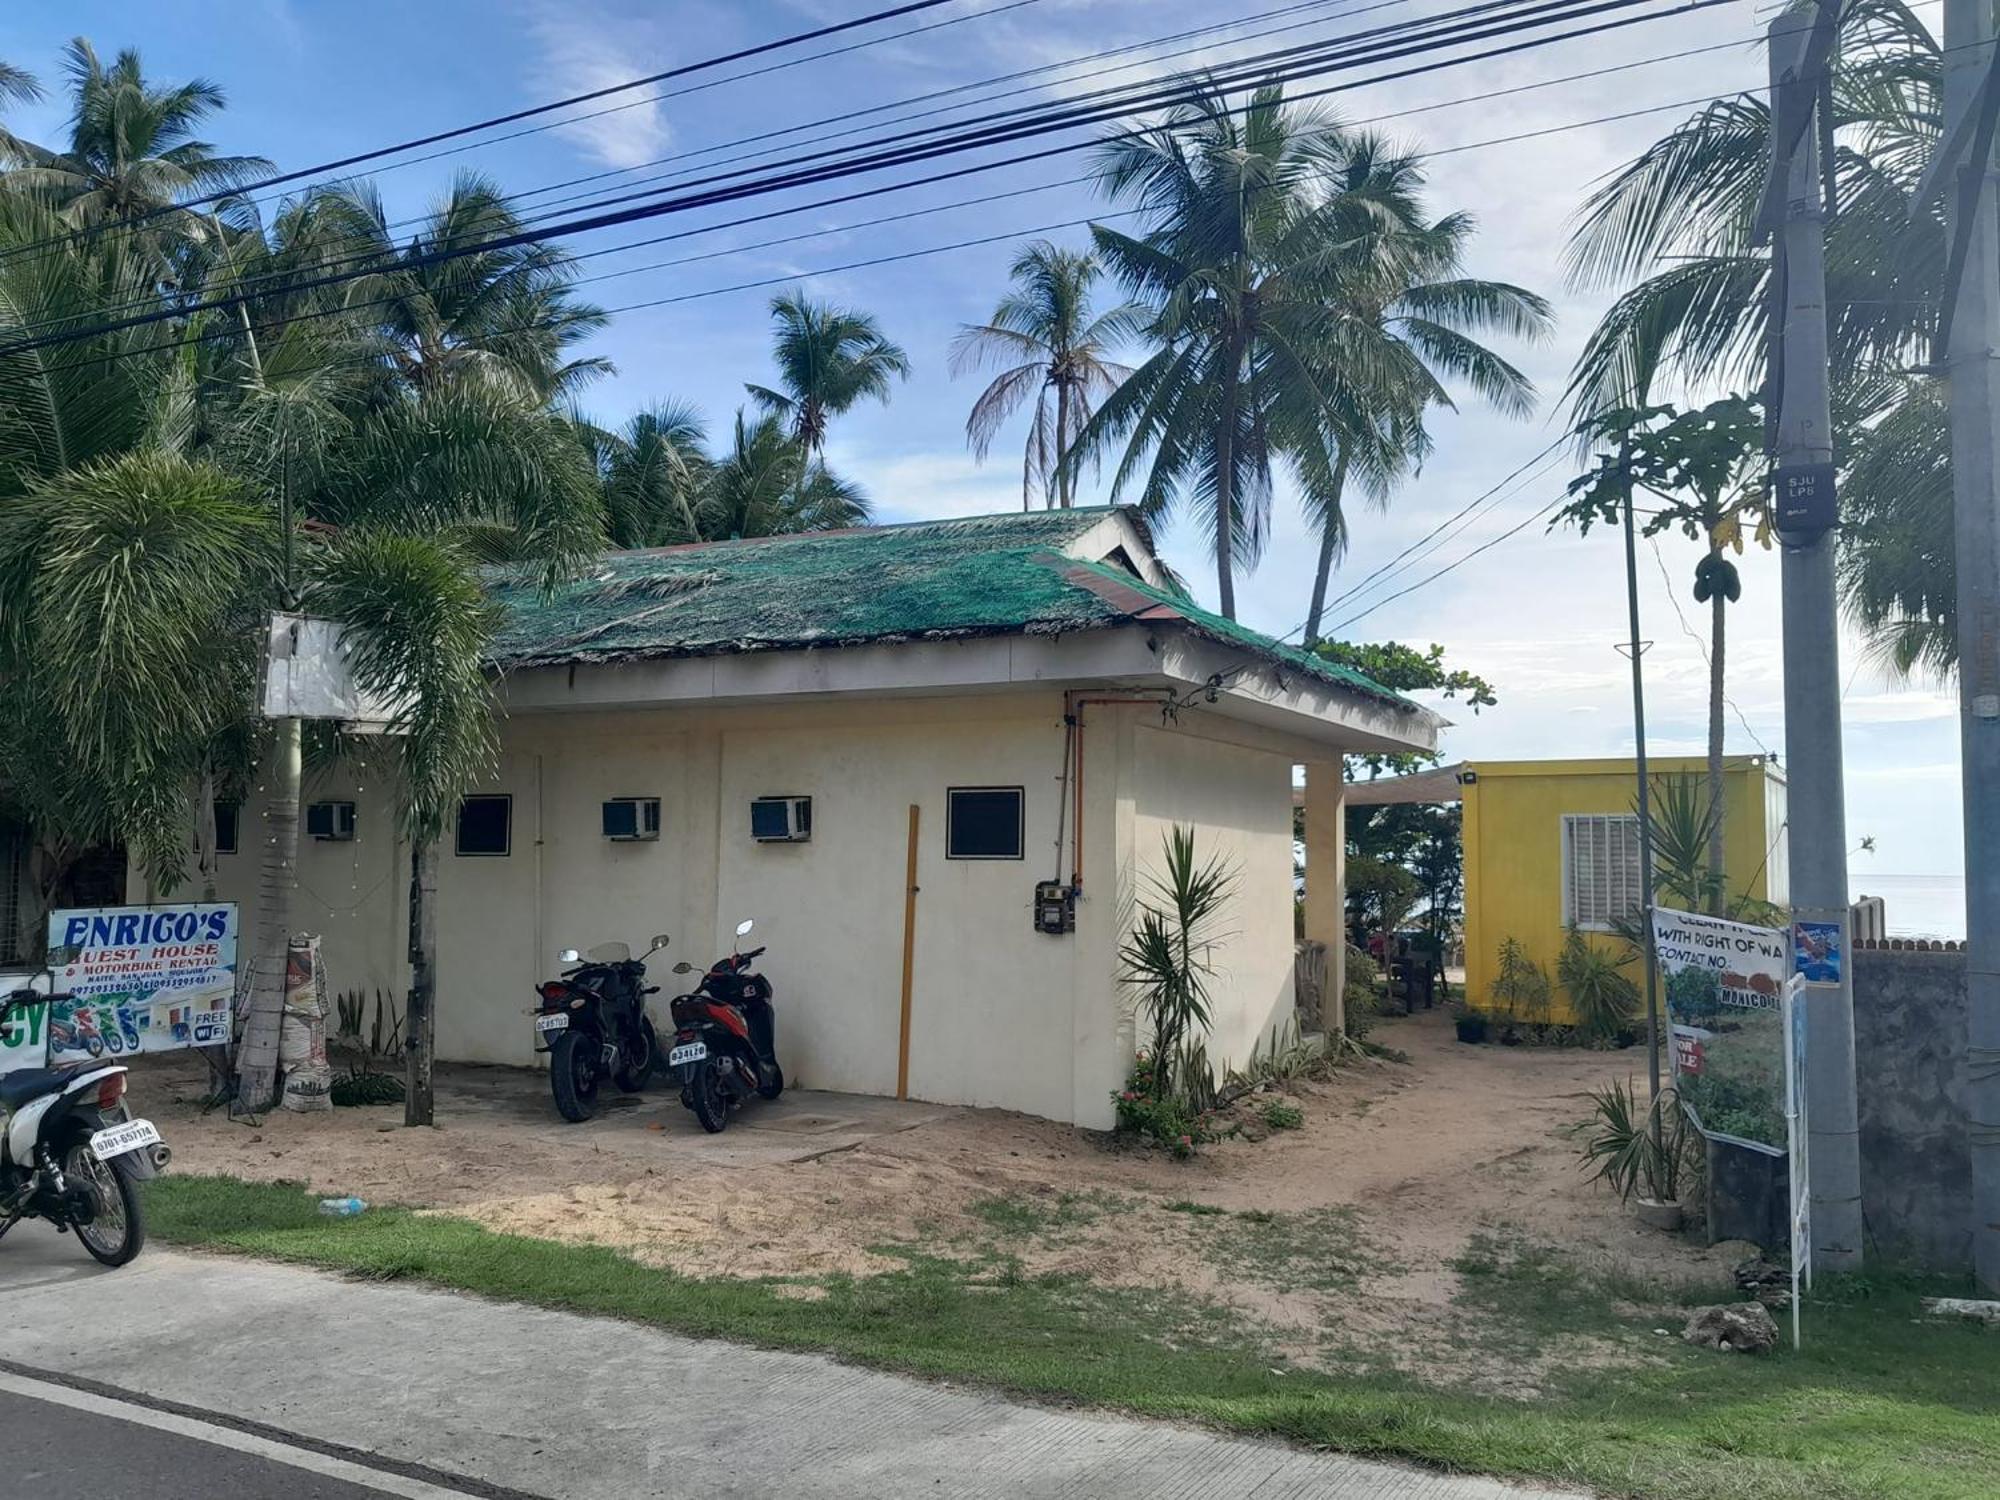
1239 802
1001 1015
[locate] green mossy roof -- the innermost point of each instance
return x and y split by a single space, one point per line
929 580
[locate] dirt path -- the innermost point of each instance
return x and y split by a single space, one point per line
1340 1235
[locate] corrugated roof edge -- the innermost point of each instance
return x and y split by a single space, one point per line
1142 601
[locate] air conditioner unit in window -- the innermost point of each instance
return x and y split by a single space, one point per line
781 820
330 821
630 819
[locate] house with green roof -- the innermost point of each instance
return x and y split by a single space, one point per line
935 763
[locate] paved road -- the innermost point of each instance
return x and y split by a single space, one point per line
56 1451
463 1395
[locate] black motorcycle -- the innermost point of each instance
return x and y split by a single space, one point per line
592 1023
70 1153
725 1038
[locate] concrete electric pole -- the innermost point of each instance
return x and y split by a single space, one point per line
1970 354
1803 495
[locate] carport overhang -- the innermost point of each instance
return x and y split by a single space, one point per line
1287 709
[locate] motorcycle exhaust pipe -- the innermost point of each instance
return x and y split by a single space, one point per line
162 1157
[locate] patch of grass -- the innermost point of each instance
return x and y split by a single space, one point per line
1282 1114
1024 1217
1879 1406
1320 1250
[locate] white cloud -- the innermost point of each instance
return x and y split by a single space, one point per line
582 47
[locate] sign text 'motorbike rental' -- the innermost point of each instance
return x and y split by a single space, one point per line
141 978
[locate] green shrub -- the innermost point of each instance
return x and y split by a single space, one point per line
1521 990
1361 995
1639 1148
1282 1114
1146 1110
1734 1106
1603 998
365 1087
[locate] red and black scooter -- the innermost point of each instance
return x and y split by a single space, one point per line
724 1038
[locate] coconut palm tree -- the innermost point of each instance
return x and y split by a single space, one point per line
17 86
830 359
1053 351
769 484
655 470
504 315
1400 307
131 149
1689 202
1249 246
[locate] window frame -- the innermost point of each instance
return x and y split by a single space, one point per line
1020 794
235 806
458 849
1615 871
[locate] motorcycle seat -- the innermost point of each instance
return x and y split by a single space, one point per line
25 1085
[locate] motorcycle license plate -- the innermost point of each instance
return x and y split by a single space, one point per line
691 1052
133 1135
551 1023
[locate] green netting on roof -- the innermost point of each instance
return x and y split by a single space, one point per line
984 575
945 578
1227 631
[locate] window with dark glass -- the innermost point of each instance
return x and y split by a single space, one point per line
983 822
228 826
485 825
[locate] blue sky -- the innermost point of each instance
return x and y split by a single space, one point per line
309 80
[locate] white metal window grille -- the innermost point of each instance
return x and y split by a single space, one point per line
1603 879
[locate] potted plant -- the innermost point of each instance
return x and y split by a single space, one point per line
1471 1024
1641 1151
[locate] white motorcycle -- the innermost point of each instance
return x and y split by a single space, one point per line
71 1153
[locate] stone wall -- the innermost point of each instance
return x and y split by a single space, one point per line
1909 1048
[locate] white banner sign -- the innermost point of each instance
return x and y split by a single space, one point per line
1725 983
142 978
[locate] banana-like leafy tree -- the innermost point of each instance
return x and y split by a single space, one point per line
1704 469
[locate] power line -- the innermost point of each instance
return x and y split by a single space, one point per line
1451 566
458 132
247 284
809 125
228 331
1057 120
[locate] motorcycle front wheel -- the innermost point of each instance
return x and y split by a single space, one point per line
573 1075
633 1072
707 1098
116 1231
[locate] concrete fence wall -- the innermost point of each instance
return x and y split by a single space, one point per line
1910 1018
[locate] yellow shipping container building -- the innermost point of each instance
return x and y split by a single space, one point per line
1551 844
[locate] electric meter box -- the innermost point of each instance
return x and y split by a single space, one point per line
1055 907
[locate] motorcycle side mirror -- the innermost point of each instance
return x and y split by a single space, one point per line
683 967
569 956
744 926
659 941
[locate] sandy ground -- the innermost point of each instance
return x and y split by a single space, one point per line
1397 1168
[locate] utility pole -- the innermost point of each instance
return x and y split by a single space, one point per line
1637 648
1817 791
1975 425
